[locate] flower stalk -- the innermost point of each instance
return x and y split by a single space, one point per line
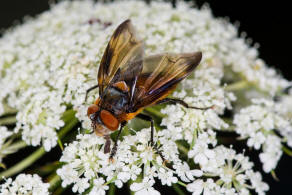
54 182
112 189
8 110
177 189
9 148
287 150
182 148
182 184
9 120
237 86
23 164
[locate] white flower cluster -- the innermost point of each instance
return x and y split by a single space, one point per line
233 171
49 62
84 158
24 184
284 107
87 166
46 64
261 123
184 123
4 134
86 162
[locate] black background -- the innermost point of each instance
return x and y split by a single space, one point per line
266 22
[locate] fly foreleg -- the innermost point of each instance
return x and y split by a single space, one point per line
181 102
115 147
88 90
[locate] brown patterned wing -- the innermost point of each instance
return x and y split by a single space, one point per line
120 59
161 74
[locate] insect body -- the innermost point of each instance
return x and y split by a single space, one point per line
128 82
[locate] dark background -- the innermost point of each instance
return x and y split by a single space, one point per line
266 22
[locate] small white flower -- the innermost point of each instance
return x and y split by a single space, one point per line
271 153
166 177
129 172
256 140
147 153
80 185
208 187
184 172
144 188
200 152
98 187
68 175
257 183
196 187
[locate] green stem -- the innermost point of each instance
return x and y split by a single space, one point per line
287 150
59 190
2 166
67 128
60 144
8 110
68 114
273 173
47 169
112 189
23 164
182 184
237 85
182 148
37 154
17 145
54 182
8 120
129 183
177 189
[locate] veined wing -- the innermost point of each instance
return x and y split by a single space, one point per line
120 59
161 74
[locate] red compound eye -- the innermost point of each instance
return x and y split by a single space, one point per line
92 109
109 120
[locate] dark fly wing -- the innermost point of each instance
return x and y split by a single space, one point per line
123 49
160 75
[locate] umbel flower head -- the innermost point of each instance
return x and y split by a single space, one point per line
48 63
25 184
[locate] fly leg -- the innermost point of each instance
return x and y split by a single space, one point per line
88 90
107 146
181 102
149 118
115 147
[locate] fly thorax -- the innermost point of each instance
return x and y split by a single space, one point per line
115 100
